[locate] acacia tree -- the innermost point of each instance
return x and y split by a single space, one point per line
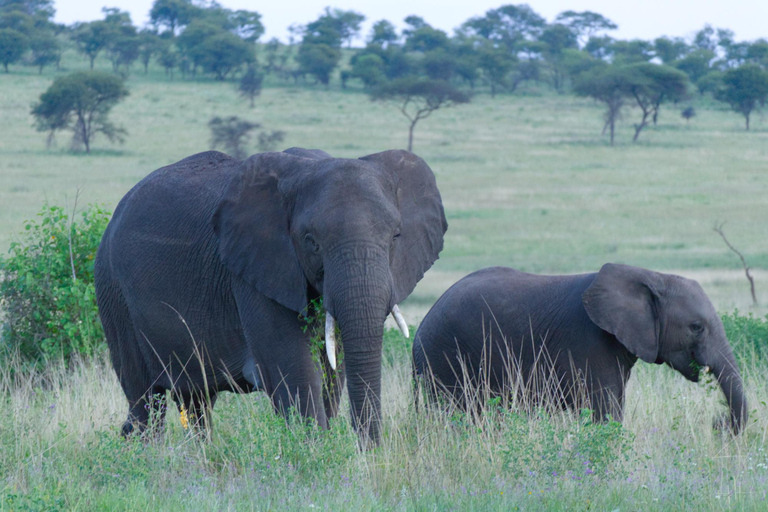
172 14
320 48
495 63
348 23
232 134
744 88
585 25
417 98
555 41
607 85
13 44
123 44
45 50
383 33
507 25
149 44
670 50
223 52
81 102
250 84
92 37
650 85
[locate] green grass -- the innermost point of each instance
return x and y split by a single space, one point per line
528 182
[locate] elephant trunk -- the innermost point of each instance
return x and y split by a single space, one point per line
357 292
724 367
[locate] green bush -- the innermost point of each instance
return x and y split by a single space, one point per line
748 336
46 288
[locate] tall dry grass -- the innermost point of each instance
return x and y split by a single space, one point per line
61 449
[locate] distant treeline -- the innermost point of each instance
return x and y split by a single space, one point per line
495 52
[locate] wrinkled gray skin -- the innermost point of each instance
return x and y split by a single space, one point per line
207 264
591 327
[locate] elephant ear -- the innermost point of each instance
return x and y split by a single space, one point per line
423 221
623 300
251 222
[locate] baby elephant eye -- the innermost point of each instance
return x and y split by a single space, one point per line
696 328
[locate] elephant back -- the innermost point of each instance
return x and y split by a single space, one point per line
165 213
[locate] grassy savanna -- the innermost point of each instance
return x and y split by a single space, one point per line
528 182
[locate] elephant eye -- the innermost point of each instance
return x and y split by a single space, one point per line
696 328
311 244
397 235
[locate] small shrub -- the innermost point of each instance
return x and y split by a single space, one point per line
232 134
250 84
269 141
47 290
748 335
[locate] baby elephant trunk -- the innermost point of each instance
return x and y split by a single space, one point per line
727 373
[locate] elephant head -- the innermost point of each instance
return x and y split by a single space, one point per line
361 233
664 318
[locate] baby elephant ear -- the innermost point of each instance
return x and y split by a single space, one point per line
622 300
251 222
422 217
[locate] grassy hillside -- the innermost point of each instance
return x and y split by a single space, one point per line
528 182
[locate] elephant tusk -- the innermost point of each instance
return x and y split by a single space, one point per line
400 321
330 339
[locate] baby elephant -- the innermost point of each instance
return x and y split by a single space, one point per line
503 331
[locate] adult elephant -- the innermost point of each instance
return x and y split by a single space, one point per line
208 264
506 331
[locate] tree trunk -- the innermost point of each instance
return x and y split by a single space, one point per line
639 127
92 59
746 116
612 130
84 135
410 134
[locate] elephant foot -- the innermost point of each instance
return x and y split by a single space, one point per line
127 429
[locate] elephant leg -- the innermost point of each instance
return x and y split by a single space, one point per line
123 340
296 384
146 411
282 353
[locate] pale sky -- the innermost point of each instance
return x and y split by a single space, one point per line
644 19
